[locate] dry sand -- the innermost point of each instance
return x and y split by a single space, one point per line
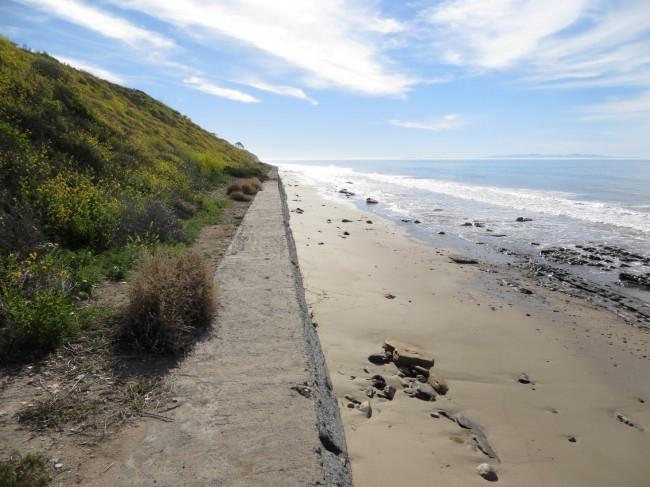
586 364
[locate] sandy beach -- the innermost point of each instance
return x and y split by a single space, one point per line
581 420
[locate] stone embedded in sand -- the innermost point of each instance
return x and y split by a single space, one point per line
389 392
461 259
482 443
421 371
371 201
345 220
465 422
378 381
627 421
352 399
379 358
488 472
407 355
425 392
438 383
366 408
524 378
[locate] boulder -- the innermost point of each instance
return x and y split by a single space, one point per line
407 355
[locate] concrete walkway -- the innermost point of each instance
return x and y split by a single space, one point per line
246 418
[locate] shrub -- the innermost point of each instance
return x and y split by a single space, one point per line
78 211
155 222
28 471
171 296
239 196
244 171
249 186
33 327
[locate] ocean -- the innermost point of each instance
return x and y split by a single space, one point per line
571 204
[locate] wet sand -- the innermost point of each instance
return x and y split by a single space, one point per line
586 366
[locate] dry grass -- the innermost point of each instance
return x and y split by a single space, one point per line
247 186
172 295
239 196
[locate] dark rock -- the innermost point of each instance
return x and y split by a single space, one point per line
635 279
524 219
389 296
352 399
389 392
627 421
479 225
379 358
524 378
369 222
465 422
300 211
442 233
572 439
346 233
371 201
461 259
425 392
417 221
378 381
467 224
345 220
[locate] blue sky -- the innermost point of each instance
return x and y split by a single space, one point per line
335 79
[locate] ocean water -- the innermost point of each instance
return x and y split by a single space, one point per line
571 202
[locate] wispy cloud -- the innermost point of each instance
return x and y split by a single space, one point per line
334 42
582 42
102 22
281 90
450 121
498 33
213 89
92 69
624 108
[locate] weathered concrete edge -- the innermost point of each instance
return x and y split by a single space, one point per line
334 453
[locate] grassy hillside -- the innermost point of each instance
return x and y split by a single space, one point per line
90 173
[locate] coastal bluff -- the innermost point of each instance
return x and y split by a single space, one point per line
255 400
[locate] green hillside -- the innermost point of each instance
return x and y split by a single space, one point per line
91 173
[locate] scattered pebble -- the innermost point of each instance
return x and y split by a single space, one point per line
488 472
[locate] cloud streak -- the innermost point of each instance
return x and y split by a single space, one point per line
102 22
451 121
333 42
281 90
205 86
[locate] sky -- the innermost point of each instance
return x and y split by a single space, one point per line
371 79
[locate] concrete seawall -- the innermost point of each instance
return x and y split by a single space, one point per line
256 405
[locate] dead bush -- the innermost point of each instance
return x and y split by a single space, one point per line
249 186
239 196
172 295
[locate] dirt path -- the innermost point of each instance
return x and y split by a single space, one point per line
254 404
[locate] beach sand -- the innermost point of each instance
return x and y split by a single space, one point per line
586 365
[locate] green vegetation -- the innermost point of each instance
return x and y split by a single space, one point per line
28 471
91 175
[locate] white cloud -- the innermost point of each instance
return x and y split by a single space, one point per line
637 106
213 89
568 44
92 69
334 42
497 33
281 90
450 121
102 22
